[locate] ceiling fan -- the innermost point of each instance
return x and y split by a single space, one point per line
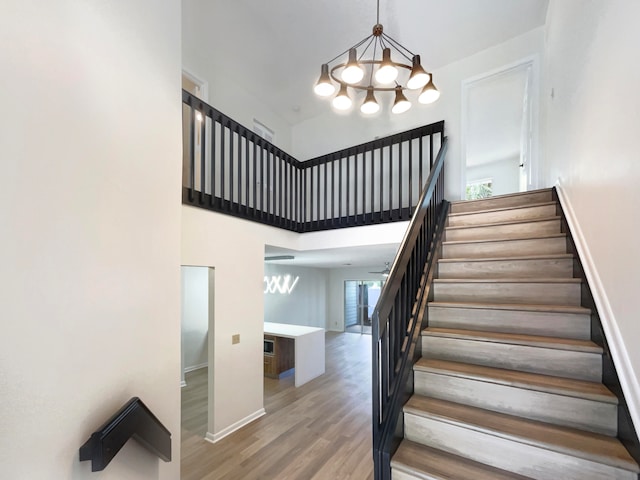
386 271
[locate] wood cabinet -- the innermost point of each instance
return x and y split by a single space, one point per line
283 357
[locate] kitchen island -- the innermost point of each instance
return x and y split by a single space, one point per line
308 348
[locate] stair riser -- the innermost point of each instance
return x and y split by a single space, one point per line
590 415
546 361
527 293
398 475
575 326
506 248
511 230
551 268
524 213
504 202
528 460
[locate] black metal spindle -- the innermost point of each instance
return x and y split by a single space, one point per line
373 169
268 185
232 170
400 178
340 187
223 161
203 159
381 190
247 174
410 176
355 185
254 183
431 159
364 185
317 194
212 149
391 216
420 163
192 154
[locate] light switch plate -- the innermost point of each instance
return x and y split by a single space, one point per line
235 339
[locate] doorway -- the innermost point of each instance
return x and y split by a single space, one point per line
196 322
500 131
198 88
360 298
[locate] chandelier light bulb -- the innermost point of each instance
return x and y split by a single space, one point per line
370 105
352 72
401 104
387 72
418 77
342 100
429 93
324 87
368 68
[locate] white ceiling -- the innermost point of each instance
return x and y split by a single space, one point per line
274 48
374 256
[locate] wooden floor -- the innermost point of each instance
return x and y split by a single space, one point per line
321 430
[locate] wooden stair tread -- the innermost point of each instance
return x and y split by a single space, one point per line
550 256
581 444
514 306
530 381
505 196
508 280
502 209
510 222
432 464
516 339
505 239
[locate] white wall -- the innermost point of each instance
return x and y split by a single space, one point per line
194 316
235 248
341 131
307 302
203 54
337 277
592 149
90 243
504 173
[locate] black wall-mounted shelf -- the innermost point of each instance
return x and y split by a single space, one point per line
135 420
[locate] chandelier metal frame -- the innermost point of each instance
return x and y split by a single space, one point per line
351 73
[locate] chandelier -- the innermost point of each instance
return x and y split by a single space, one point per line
376 73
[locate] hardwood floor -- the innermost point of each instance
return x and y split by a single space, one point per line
321 430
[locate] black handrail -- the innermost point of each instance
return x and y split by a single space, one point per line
135 420
400 314
229 169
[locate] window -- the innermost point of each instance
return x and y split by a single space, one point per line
479 189
264 131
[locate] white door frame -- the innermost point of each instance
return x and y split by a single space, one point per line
199 81
531 145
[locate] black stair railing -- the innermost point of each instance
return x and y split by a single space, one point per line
399 316
133 420
229 169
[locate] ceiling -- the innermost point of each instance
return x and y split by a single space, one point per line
374 256
274 48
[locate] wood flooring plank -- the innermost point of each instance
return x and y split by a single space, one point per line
319 431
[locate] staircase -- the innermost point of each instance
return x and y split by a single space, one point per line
509 384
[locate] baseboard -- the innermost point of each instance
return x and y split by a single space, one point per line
183 383
195 367
628 381
216 437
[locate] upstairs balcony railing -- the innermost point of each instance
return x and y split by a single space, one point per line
229 169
